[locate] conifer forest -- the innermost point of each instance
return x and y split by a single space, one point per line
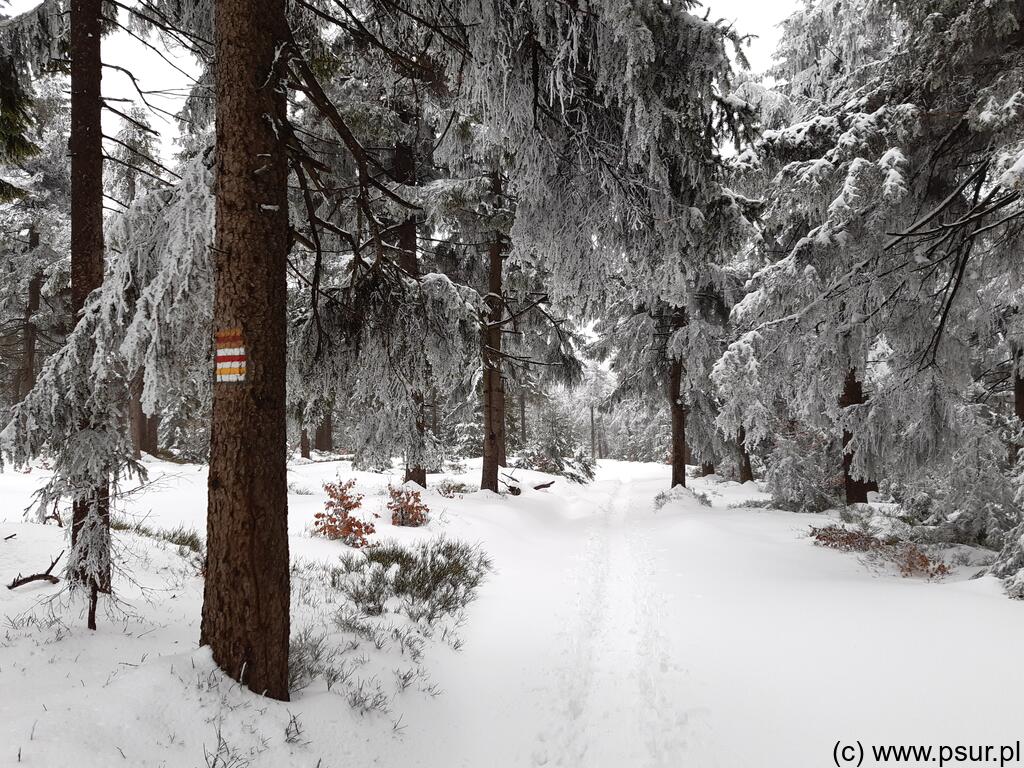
511 383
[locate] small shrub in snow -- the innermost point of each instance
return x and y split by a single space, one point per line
451 489
456 466
225 755
310 656
186 538
430 579
906 556
299 490
845 539
337 521
913 561
407 507
680 493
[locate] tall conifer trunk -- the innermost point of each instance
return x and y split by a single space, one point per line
1018 401
26 378
678 410
746 470
522 416
404 170
304 443
323 438
90 515
1018 395
151 435
593 435
137 420
857 489
494 385
246 599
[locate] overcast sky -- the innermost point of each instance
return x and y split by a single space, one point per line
754 17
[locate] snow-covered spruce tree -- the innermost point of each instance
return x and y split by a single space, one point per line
89 561
33 41
670 215
133 168
886 293
381 327
34 292
557 448
159 252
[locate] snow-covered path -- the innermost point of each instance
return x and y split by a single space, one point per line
612 634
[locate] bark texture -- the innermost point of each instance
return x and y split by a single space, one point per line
323 438
494 385
86 148
137 421
404 170
593 435
1018 404
151 435
246 599
26 378
746 470
678 410
857 489
522 416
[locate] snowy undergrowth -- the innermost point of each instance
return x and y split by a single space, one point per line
608 633
366 624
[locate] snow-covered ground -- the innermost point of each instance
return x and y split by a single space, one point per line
614 631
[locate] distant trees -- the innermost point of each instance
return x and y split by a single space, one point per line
419 214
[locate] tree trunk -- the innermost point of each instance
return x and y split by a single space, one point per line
1018 394
593 435
1018 402
90 514
151 435
404 170
246 599
707 468
746 470
304 443
494 386
678 409
522 416
417 473
137 420
323 438
26 378
857 489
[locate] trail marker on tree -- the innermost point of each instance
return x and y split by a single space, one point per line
230 358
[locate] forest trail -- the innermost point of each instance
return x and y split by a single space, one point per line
640 637
613 650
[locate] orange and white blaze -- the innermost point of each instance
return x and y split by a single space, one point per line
230 358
